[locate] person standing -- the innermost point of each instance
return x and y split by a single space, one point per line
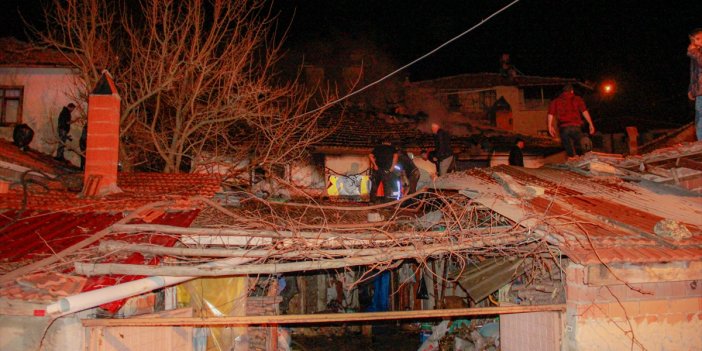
383 159
443 155
83 145
568 110
516 157
64 128
694 92
410 170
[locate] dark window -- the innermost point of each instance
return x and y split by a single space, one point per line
454 102
10 105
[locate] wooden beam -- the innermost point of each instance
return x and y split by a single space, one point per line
619 273
386 257
319 318
113 246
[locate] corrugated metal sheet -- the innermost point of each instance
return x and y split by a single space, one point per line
598 219
38 234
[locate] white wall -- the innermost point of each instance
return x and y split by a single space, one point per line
46 91
525 121
347 164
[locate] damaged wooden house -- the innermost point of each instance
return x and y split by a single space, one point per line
603 253
600 253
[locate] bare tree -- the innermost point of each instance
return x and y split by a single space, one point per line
196 77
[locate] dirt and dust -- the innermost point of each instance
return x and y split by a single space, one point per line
384 338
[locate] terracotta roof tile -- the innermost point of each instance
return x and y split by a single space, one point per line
32 159
33 235
16 53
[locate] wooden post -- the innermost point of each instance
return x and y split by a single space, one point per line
367 330
633 135
272 344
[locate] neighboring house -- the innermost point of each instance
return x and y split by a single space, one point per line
35 84
49 212
518 104
630 243
345 152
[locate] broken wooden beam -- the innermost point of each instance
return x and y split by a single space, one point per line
388 255
319 318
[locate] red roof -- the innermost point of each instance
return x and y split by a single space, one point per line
15 53
32 159
593 219
33 235
38 221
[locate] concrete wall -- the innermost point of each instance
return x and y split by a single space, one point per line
46 91
19 333
663 315
347 164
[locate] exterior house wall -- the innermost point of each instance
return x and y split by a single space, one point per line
529 120
665 315
46 91
347 164
19 333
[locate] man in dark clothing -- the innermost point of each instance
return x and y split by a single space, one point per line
442 149
64 128
694 92
516 158
383 159
567 109
83 145
409 169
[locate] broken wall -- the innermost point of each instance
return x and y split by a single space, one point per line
654 315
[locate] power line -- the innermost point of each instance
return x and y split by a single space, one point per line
412 62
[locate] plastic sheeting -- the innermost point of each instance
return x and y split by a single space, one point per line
216 297
355 185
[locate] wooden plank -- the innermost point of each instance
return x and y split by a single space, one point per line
618 273
319 318
114 338
688 163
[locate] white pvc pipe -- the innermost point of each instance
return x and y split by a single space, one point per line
90 299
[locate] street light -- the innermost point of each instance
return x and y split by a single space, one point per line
607 88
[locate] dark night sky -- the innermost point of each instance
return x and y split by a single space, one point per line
641 45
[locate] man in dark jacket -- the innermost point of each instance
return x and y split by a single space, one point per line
406 163
383 159
694 92
516 158
64 128
443 154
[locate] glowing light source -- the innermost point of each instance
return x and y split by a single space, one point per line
607 88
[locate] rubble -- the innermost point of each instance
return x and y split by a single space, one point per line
669 228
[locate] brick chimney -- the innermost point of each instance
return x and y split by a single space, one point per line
102 149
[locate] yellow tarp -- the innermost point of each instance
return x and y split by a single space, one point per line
216 297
